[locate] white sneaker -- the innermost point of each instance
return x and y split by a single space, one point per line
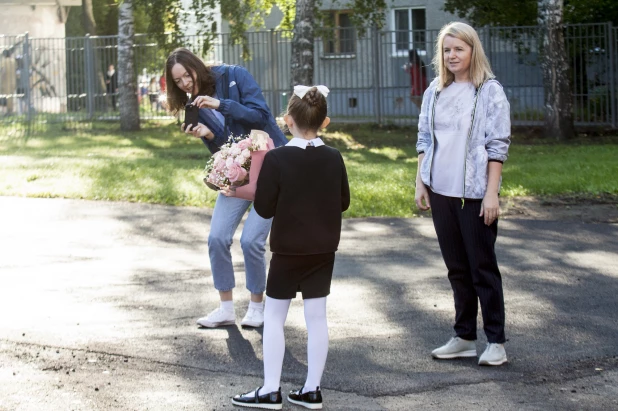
217 318
253 318
455 348
494 355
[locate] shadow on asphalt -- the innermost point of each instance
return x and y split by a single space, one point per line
391 305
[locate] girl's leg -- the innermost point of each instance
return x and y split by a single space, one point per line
275 313
317 344
225 219
253 243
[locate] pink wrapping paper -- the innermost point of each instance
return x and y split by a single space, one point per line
247 191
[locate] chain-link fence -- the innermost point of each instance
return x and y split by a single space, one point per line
378 77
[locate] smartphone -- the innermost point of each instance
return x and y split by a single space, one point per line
191 115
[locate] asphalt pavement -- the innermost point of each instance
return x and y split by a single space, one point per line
98 302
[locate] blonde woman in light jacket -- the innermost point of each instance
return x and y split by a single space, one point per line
463 139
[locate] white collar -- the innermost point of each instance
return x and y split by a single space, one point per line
302 143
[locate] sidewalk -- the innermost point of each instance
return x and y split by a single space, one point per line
99 302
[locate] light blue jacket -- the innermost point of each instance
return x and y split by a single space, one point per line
488 138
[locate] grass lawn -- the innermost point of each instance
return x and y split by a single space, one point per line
162 165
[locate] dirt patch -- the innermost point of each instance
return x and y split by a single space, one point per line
590 209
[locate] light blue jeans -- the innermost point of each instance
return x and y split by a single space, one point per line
225 220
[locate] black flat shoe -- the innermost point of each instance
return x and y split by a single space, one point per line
270 401
311 399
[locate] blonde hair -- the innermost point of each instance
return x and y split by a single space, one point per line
480 70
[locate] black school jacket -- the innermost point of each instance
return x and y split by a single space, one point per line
306 191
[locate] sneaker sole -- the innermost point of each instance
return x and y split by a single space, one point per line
215 325
258 405
251 324
493 362
461 354
306 404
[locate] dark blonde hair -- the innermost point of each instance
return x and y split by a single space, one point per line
201 75
310 111
480 69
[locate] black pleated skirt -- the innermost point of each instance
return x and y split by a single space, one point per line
309 274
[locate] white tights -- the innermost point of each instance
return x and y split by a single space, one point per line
275 313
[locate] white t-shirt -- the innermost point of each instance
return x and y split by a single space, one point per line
451 125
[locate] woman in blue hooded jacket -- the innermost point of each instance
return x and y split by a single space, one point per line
230 102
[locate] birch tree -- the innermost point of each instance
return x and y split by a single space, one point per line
127 85
301 61
555 67
88 22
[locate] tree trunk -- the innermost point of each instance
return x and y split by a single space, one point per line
302 44
90 26
127 86
554 64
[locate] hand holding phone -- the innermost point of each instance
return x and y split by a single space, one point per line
191 115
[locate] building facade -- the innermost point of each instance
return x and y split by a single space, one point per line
33 78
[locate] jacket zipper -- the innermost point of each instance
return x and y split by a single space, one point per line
476 97
433 141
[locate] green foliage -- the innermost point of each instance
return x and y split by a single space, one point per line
591 11
106 16
243 15
524 12
167 16
367 13
164 19
288 8
494 12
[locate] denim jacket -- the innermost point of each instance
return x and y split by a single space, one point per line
244 109
488 138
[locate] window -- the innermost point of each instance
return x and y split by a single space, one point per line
343 37
409 26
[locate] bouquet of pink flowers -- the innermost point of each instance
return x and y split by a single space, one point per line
237 164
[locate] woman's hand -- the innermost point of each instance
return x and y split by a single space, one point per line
490 208
422 195
206 102
228 191
198 131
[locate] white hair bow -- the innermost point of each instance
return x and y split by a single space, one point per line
300 91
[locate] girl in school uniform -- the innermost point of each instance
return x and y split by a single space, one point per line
304 186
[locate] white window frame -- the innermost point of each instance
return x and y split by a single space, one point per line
404 53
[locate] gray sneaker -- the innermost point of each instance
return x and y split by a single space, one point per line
494 355
455 348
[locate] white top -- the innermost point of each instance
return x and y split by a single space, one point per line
302 143
451 125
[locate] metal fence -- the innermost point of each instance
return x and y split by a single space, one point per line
63 80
